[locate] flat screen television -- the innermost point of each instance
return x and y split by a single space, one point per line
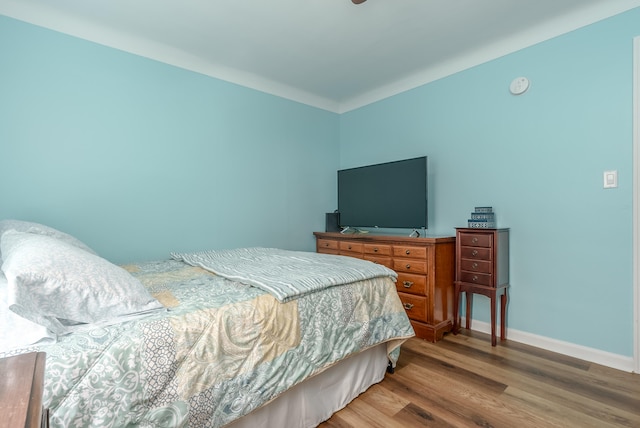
386 195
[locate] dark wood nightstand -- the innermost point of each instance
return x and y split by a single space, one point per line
21 387
482 267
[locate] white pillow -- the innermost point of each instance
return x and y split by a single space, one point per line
40 229
18 332
59 285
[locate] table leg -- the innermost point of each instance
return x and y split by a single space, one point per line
503 315
468 297
456 308
493 318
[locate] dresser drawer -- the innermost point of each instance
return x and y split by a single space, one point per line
481 266
410 283
376 249
384 261
327 244
326 251
477 278
409 265
410 252
353 247
476 240
476 253
415 306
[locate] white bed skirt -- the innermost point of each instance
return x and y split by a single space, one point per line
313 401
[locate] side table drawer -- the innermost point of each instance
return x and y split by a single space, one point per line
476 253
481 266
476 240
477 278
415 306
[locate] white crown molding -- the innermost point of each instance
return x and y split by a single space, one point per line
527 38
48 17
619 362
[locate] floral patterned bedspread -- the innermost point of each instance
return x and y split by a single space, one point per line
222 350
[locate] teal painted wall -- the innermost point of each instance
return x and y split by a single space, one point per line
139 158
538 159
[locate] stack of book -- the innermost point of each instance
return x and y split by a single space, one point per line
482 218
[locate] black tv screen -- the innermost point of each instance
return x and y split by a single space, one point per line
386 195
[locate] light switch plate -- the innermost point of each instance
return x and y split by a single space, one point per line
610 179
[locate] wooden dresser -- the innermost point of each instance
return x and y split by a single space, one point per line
425 267
482 268
21 387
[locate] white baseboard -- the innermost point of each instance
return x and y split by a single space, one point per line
597 356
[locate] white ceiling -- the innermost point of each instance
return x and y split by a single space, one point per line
330 54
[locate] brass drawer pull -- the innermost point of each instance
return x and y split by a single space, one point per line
475 265
475 278
408 306
407 252
408 266
407 284
474 240
474 253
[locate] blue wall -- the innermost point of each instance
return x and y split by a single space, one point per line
538 159
139 158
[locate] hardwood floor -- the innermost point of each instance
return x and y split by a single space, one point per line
462 381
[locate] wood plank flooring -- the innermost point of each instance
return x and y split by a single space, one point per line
462 381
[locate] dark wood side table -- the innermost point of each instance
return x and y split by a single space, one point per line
21 387
482 267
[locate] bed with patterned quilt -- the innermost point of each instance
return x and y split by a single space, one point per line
206 339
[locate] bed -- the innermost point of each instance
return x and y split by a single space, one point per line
248 337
